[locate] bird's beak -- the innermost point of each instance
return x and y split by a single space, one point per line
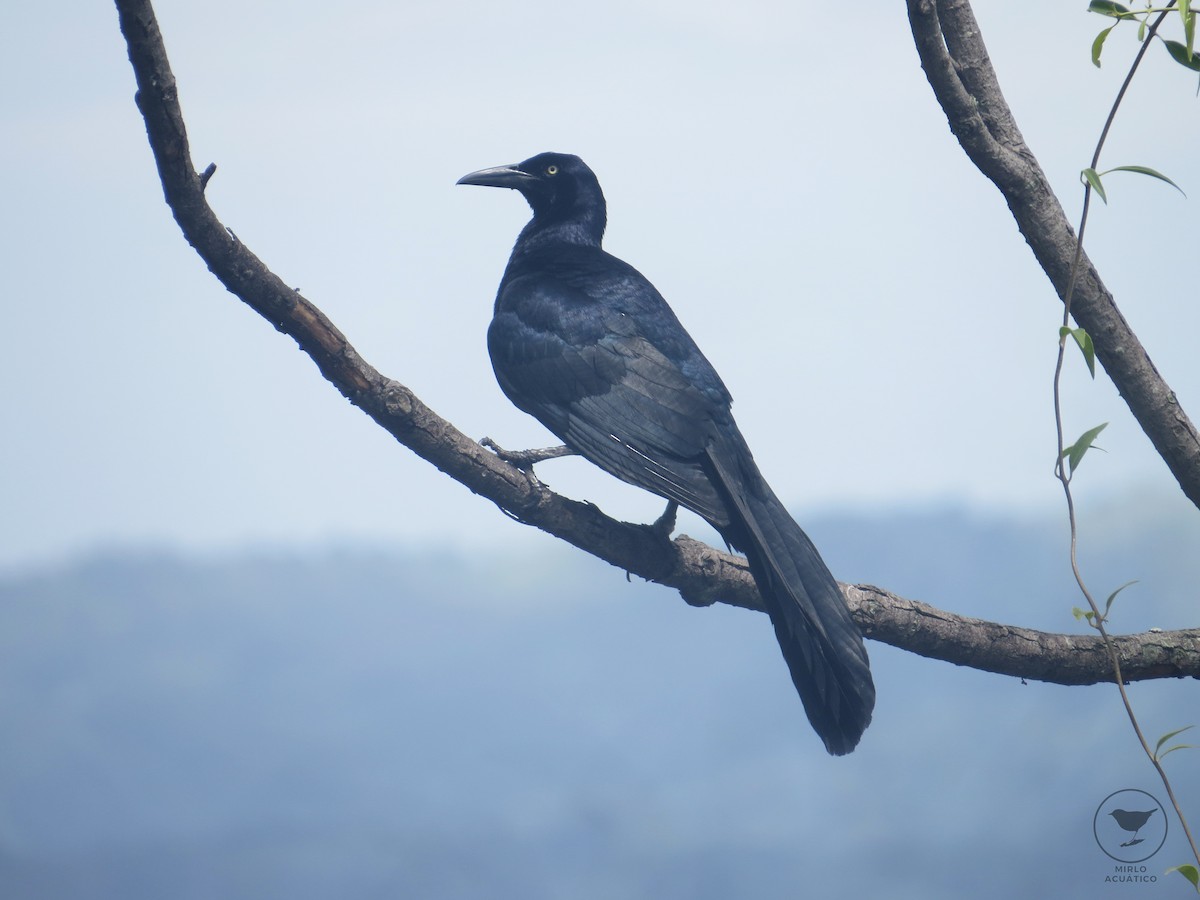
500 176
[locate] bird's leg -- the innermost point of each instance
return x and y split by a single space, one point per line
527 459
664 525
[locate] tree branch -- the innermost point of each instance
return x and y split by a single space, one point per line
1021 652
701 574
958 68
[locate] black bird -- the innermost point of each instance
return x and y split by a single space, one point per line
585 344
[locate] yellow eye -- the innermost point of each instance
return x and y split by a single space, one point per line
551 169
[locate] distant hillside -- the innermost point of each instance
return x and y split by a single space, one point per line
363 723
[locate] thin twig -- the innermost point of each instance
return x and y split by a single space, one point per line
1061 470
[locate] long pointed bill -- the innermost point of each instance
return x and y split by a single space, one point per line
499 176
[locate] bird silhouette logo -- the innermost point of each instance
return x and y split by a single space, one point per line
1132 820
1130 825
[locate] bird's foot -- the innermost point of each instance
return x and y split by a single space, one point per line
525 460
664 525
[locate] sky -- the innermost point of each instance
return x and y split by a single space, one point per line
782 175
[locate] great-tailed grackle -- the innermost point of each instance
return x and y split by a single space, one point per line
584 343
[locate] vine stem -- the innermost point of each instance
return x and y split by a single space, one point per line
1061 471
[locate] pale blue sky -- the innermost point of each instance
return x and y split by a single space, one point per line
781 173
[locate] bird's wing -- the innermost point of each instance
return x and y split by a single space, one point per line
596 374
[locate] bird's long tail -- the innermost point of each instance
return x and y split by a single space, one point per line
820 642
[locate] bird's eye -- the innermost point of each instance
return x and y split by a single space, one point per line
551 169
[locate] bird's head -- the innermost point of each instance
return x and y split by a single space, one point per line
562 191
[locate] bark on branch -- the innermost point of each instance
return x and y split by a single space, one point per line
701 574
958 68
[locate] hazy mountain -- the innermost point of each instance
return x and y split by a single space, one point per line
358 723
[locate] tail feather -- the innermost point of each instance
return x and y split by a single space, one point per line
821 644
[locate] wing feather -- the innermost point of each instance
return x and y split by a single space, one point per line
596 378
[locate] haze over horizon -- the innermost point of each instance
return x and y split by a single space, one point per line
531 724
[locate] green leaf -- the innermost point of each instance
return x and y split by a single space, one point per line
1108 605
1145 170
1170 734
1179 53
1074 453
1084 340
1173 749
1189 26
1092 179
1098 44
1107 8
1188 872
1092 617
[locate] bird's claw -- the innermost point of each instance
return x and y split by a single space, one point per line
664 525
525 460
